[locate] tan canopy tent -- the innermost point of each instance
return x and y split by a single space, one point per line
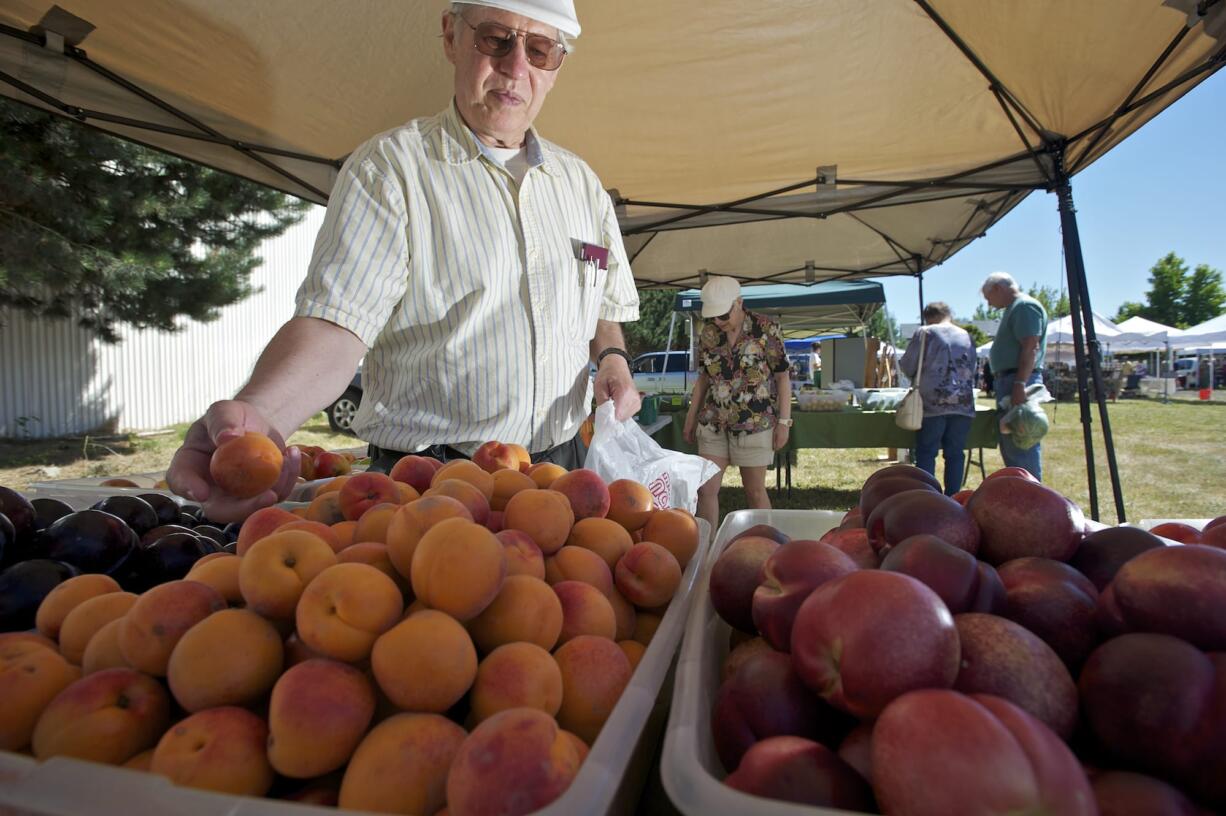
774 141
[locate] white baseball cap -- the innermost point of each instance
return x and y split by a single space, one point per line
718 295
558 13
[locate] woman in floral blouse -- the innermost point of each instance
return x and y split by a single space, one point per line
741 405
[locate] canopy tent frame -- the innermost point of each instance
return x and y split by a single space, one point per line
1055 159
257 153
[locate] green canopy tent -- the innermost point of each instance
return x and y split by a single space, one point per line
802 310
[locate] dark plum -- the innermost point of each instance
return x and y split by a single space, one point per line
161 530
19 511
47 511
23 587
135 512
8 538
214 532
171 556
166 507
90 540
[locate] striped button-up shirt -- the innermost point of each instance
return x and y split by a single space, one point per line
467 288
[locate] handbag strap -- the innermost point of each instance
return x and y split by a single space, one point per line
919 368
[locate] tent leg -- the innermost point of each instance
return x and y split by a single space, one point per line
1079 297
920 279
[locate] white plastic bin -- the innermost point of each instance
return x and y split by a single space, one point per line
609 781
690 769
1149 524
82 493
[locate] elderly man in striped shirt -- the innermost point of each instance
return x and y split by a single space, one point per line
478 267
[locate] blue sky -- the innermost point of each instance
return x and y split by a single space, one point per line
1161 190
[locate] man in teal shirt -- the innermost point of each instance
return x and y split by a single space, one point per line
1017 357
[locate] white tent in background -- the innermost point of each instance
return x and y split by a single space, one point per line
1204 335
1060 338
1060 332
1142 334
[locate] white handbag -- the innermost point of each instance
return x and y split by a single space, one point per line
910 414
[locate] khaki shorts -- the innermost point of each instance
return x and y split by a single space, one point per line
741 449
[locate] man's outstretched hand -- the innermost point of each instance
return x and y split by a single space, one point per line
188 475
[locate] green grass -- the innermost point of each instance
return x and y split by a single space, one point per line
1171 462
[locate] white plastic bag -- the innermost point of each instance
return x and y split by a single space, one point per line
622 450
1026 423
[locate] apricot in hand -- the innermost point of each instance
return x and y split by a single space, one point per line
247 465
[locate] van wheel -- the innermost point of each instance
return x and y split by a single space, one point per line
342 412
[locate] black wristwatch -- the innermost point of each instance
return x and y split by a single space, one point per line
612 350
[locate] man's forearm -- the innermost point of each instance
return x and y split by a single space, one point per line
1025 361
307 363
608 335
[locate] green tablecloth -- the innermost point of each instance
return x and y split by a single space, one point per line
849 429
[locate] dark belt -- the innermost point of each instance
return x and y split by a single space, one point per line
443 453
1006 372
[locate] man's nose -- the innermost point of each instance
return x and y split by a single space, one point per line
515 63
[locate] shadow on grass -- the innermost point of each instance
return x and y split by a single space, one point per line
58 452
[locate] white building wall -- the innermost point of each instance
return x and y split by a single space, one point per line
64 381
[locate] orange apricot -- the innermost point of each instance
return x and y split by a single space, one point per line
247 465
543 514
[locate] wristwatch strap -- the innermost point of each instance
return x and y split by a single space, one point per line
613 350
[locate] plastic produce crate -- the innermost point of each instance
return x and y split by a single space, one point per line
610 780
82 493
690 769
1149 524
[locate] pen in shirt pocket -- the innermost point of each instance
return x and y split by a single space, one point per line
591 255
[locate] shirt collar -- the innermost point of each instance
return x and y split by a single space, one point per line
461 145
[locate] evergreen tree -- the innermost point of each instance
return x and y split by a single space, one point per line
1167 291
882 325
1129 308
650 331
985 312
1055 302
1203 297
109 232
978 338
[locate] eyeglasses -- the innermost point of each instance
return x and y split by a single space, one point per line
725 315
496 40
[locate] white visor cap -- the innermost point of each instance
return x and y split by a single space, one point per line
558 13
718 295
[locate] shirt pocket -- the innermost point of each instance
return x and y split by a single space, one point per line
589 280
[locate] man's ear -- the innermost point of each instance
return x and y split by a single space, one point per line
449 34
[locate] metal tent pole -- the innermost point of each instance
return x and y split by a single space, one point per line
1085 345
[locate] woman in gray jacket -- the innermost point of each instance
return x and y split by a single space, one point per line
947 387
